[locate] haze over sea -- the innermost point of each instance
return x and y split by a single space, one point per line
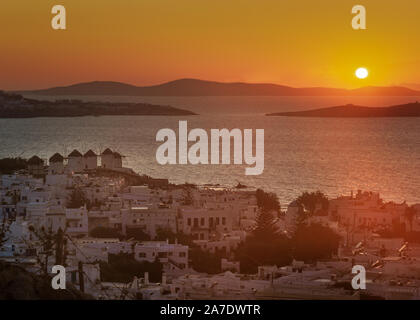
331 155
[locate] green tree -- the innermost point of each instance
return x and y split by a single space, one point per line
105 232
264 246
313 242
267 201
77 199
51 244
11 165
310 201
4 229
265 228
187 198
123 268
163 234
204 261
137 234
254 252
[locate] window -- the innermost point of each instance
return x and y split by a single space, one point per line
195 222
142 255
217 221
202 221
189 221
182 254
223 220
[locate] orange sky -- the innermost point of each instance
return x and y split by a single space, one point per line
298 43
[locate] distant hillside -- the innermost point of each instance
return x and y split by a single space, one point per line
352 111
194 87
16 106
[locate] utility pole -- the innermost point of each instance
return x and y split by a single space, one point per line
81 277
59 248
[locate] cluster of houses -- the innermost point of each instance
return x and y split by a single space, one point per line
217 218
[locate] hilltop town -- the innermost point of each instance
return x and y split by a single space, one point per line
122 235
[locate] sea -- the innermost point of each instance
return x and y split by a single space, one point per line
333 155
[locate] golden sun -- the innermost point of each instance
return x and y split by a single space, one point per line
362 73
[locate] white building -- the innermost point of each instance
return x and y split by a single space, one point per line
204 224
174 257
77 221
148 219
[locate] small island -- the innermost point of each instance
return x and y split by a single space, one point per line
16 106
353 111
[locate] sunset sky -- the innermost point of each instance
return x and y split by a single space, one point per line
145 42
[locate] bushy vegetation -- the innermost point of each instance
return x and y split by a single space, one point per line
163 234
4 230
77 199
137 234
266 246
105 232
123 268
314 203
313 242
200 261
206 262
11 165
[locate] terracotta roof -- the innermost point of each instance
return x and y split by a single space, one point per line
57 158
90 153
107 151
35 160
75 153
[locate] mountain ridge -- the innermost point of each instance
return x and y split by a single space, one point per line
198 87
354 111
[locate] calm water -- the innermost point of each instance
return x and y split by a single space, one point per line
332 155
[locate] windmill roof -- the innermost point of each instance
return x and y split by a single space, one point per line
57 158
35 160
107 151
90 153
75 153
